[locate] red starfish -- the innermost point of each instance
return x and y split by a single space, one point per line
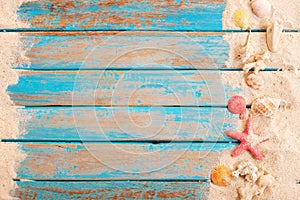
246 143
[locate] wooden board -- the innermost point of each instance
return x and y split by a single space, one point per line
92 50
125 123
125 50
111 190
120 161
125 88
124 15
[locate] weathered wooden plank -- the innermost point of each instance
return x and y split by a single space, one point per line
189 88
121 161
111 190
124 123
125 50
124 15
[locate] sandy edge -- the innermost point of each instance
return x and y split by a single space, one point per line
11 54
281 152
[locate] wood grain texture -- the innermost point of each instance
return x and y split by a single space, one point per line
120 161
125 123
188 88
111 190
125 50
124 14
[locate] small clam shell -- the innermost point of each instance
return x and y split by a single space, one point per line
273 36
261 8
255 81
221 176
265 106
241 19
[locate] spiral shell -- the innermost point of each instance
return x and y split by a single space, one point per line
254 81
261 8
241 19
265 106
221 176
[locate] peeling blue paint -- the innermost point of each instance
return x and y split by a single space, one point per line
191 17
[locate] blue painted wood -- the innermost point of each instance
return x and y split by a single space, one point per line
188 88
111 190
125 50
125 123
121 161
124 15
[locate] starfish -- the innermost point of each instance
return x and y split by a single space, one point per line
248 141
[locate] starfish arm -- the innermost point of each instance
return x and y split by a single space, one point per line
255 152
238 136
238 150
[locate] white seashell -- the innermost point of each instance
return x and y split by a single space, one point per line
245 51
257 65
262 56
265 106
273 36
248 170
255 81
261 8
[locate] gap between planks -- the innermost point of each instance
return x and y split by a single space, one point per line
45 30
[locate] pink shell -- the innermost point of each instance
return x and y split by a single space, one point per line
237 105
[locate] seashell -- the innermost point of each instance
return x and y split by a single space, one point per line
261 8
257 65
255 81
221 176
245 51
265 106
248 170
266 180
237 105
273 36
241 19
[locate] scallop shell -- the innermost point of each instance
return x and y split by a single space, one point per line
221 176
241 19
237 105
265 106
273 36
261 8
255 81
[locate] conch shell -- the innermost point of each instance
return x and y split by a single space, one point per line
265 106
261 8
273 36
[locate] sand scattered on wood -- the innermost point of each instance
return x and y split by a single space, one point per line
11 54
282 152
